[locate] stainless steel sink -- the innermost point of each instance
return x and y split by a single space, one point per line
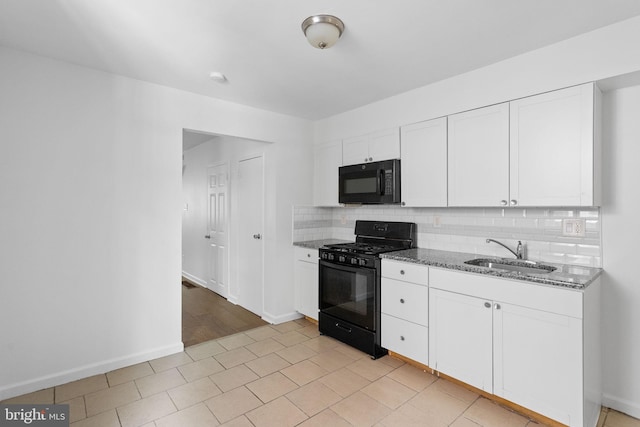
518 266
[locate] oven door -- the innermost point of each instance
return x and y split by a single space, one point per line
348 293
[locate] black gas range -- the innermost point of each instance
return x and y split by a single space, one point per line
349 283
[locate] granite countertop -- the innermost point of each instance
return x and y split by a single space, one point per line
317 244
568 276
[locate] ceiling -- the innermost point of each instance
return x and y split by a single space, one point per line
388 47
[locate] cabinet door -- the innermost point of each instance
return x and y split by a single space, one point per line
479 157
538 361
460 341
372 147
384 145
327 160
552 141
423 151
306 282
355 150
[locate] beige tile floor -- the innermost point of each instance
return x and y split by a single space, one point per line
284 375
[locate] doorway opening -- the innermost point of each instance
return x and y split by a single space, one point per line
222 229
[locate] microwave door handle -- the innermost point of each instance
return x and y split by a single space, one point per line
381 182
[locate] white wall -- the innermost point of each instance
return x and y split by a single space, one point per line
607 52
600 54
620 237
91 207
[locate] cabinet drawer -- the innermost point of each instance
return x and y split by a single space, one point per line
405 338
305 254
406 301
405 271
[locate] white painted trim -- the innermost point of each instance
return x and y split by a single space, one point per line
194 279
622 405
85 371
276 320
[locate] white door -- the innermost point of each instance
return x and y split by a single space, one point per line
384 145
479 157
423 151
460 337
552 148
538 361
218 230
250 234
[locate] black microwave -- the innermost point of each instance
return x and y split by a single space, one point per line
374 182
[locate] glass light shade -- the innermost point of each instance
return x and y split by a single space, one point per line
322 31
322 35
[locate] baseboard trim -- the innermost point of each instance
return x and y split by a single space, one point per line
52 380
622 405
194 279
276 320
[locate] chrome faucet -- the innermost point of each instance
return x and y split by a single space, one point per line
519 252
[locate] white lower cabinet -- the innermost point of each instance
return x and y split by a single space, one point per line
306 281
526 343
537 361
405 319
461 338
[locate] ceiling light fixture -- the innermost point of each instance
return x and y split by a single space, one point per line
322 31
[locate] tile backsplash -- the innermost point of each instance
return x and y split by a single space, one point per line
466 229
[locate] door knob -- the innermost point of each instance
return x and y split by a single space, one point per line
257 236
208 236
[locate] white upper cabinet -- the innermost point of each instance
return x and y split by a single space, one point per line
479 157
372 147
423 152
552 148
543 150
327 160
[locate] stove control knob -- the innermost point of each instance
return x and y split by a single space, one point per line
354 261
331 257
323 256
341 258
363 262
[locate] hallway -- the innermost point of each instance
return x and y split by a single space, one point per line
207 316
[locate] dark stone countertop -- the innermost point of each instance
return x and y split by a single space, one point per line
568 276
317 244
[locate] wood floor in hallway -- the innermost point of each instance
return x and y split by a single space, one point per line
207 316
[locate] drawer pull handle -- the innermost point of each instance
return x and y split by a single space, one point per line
487 304
401 300
402 272
401 338
497 306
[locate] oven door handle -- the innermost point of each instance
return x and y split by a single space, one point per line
347 268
